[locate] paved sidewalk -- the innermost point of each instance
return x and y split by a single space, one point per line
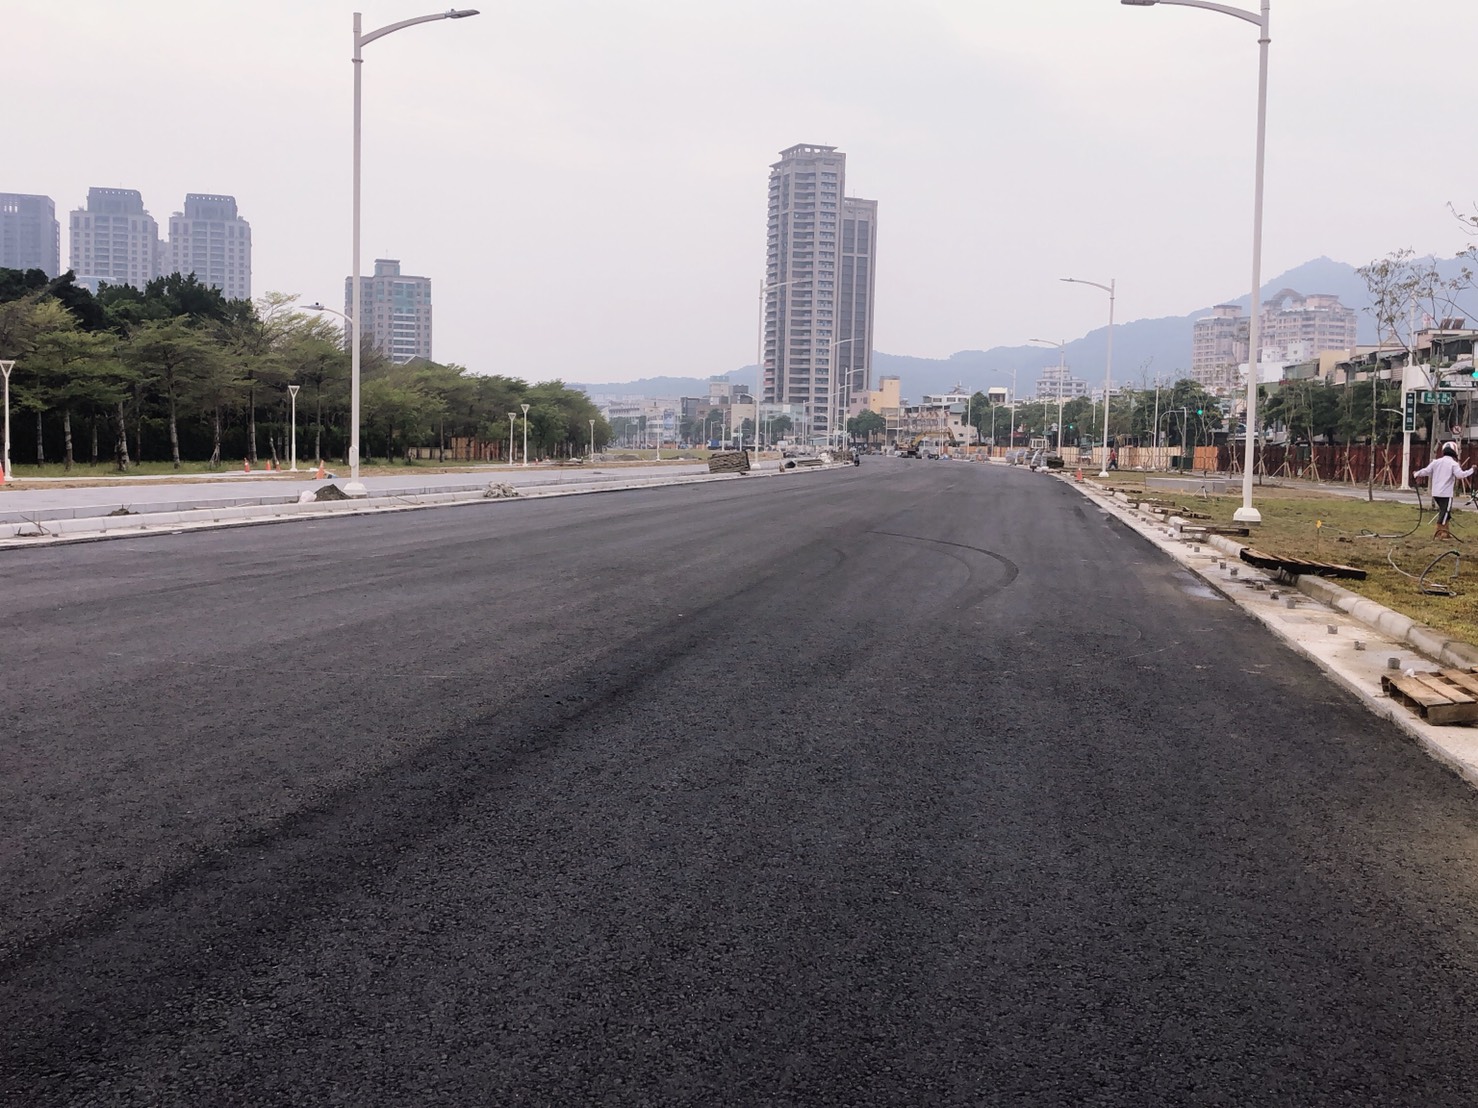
1355 641
42 516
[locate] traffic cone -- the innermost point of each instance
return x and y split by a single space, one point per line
1078 473
319 475
245 465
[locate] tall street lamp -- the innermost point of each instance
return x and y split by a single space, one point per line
1011 438
1108 372
316 307
837 409
1061 373
1247 513
5 367
592 440
759 347
361 40
525 408
292 391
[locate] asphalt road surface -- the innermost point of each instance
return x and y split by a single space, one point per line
918 783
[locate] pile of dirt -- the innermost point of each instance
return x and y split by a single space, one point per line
330 492
496 491
122 512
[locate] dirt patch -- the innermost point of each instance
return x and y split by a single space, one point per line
330 492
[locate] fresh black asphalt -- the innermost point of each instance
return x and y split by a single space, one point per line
919 783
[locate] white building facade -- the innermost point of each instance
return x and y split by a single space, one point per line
820 277
210 240
114 239
397 311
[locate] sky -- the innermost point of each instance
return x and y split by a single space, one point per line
584 181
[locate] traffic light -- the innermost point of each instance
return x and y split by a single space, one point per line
1200 411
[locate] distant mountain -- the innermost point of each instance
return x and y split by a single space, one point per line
1143 348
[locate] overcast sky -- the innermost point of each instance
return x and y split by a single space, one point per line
584 181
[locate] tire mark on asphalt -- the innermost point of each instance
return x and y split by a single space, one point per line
970 594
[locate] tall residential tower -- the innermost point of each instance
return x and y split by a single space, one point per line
211 241
397 311
818 293
30 237
114 239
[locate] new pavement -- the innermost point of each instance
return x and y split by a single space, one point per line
917 783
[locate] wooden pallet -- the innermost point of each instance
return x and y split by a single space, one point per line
1450 696
1296 566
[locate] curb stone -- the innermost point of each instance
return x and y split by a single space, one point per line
1454 746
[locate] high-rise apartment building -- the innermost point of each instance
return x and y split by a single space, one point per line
114 239
211 241
820 275
1218 346
1305 326
397 311
1294 327
855 286
30 236
1058 381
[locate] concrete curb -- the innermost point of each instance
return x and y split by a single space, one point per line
37 531
1455 746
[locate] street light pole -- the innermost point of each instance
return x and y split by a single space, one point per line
592 440
525 408
5 367
292 391
759 345
1247 513
1061 372
511 417
361 40
836 419
1108 372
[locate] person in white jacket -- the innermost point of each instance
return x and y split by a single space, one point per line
1444 470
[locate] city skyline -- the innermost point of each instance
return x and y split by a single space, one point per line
516 156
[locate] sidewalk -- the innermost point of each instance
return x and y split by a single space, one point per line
1354 640
44 516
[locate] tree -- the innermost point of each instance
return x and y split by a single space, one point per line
866 425
313 354
168 355
73 367
1398 284
253 333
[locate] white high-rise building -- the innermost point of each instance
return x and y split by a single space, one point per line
114 239
30 237
211 241
397 311
820 275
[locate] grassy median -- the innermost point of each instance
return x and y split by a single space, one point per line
1382 537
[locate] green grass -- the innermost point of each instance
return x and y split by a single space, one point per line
1306 523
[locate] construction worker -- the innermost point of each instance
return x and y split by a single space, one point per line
1444 470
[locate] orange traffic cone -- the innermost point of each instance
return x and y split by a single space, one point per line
319 475
245 465
1078 473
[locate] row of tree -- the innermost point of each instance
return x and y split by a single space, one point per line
176 372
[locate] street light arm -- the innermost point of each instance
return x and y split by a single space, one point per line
1225 9
325 308
364 40
1080 281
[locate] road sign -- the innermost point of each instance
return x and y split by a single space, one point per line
1441 397
1409 422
